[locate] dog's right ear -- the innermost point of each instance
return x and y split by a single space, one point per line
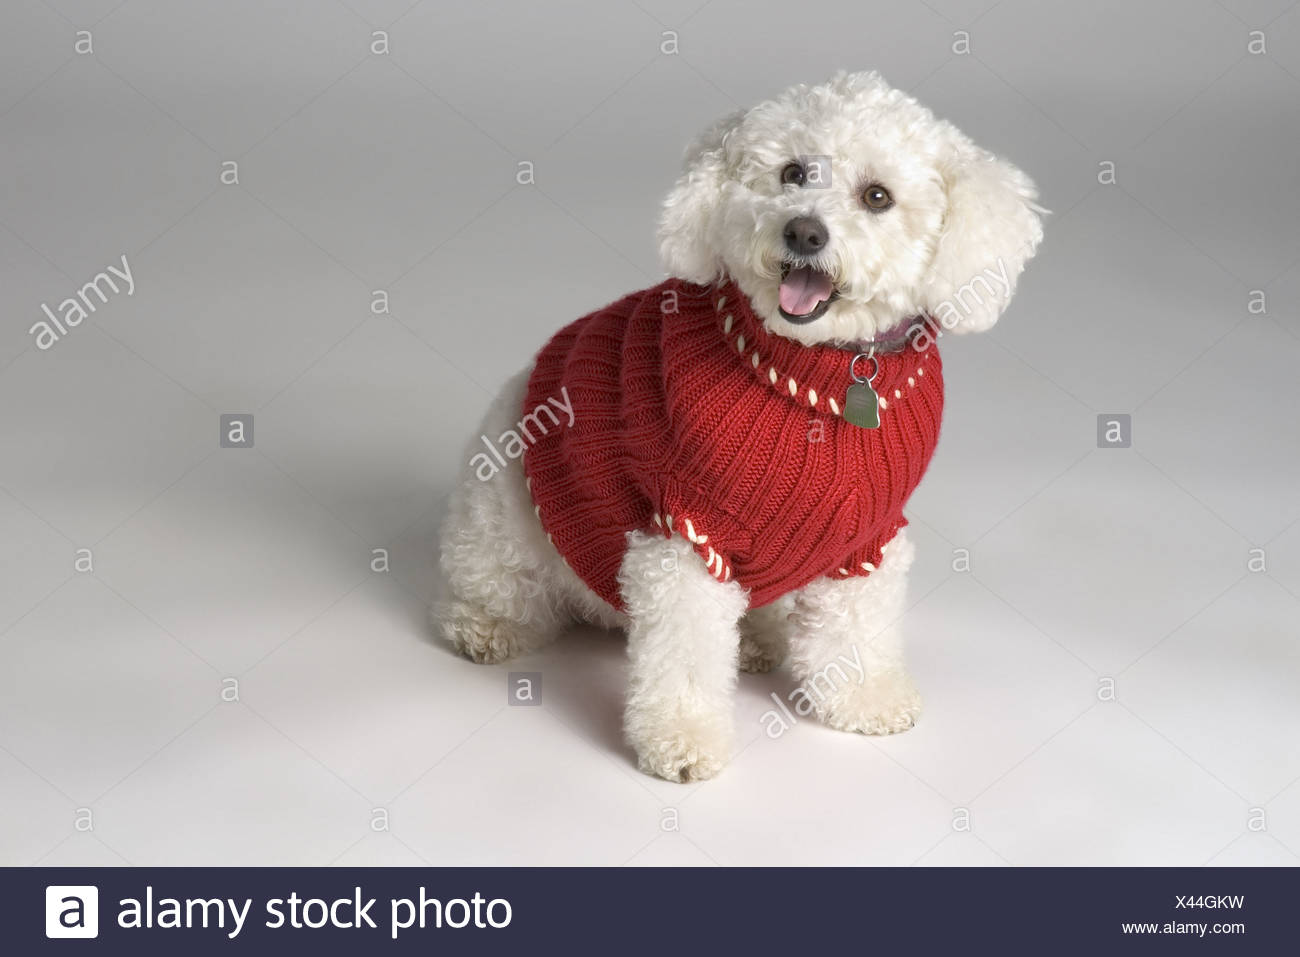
992 227
684 224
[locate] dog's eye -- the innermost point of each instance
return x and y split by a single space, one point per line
792 175
877 198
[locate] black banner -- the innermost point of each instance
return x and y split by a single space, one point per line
643 911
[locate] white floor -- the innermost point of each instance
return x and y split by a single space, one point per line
1109 682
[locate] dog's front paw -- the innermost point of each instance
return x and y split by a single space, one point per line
883 704
681 750
680 757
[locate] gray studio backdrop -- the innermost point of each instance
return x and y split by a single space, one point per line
342 223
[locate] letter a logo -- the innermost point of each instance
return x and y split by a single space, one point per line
71 911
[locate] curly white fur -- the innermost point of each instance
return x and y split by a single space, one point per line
958 213
682 646
846 646
958 209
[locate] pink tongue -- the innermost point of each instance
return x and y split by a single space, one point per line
803 289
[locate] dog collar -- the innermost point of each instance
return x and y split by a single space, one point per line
895 340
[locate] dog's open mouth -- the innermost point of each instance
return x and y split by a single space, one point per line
806 292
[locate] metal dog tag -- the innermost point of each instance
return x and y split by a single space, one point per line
862 406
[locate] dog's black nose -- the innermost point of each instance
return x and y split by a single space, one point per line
805 235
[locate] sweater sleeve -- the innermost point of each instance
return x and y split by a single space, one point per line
715 536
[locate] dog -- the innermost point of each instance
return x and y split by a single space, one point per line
719 464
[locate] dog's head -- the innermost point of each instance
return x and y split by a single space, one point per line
841 210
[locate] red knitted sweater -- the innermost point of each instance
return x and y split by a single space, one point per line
690 418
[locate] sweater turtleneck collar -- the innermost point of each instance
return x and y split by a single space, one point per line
817 375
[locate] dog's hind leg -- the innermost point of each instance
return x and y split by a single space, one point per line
504 601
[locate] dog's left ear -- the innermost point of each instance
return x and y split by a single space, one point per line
991 229
688 210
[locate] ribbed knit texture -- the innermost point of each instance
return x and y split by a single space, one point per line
691 419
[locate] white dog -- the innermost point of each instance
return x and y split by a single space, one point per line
719 463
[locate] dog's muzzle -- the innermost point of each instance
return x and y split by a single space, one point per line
806 292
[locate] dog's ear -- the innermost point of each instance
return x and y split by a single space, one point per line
991 229
687 211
